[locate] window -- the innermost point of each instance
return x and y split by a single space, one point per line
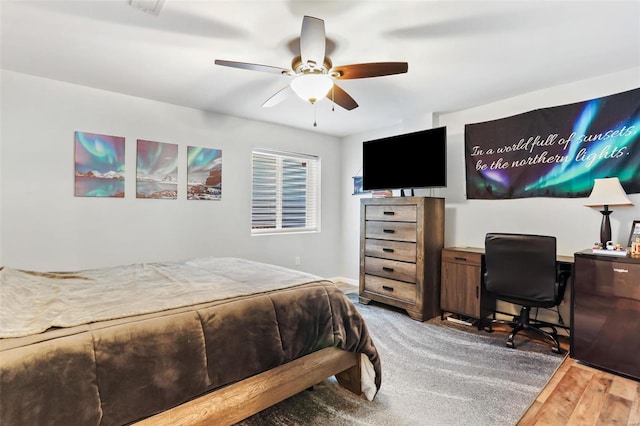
285 192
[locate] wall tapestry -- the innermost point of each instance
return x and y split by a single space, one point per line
557 151
204 173
99 165
157 170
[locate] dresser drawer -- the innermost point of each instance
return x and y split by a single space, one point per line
398 231
390 288
391 269
394 250
406 213
466 258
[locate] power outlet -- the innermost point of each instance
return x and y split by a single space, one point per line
297 260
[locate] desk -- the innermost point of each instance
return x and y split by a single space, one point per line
605 312
461 286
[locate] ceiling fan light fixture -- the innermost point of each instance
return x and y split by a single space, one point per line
311 87
313 71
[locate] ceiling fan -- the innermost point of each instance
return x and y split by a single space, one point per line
313 72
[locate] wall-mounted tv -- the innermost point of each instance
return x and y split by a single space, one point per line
407 161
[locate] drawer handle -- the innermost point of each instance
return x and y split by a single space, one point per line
387 288
388 231
389 213
387 269
387 250
464 259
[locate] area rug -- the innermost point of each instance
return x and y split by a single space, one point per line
433 373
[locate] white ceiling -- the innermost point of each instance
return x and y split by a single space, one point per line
460 53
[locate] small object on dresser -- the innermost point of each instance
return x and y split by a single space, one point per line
606 252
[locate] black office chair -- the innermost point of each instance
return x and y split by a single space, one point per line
521 269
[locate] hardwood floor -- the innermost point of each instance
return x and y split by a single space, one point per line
581 395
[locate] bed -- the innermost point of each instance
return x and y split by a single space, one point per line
199 341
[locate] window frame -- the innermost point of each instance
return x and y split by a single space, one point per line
273 208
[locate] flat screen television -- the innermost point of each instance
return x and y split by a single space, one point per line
407 161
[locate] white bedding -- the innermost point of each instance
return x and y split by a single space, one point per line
31 302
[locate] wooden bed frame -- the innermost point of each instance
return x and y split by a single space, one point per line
243 399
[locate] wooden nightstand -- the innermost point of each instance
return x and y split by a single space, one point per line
461 289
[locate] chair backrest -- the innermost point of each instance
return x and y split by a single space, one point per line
521 268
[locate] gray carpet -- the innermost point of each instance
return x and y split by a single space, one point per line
433 373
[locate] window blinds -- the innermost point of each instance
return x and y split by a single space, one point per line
285 192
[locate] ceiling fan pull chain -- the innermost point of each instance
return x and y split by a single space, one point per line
333 98
314 116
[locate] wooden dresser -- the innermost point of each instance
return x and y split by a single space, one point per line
401 240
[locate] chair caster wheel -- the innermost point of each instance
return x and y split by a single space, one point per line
556 350
510 344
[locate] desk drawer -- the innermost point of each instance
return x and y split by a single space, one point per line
394 250
398 231
406 213
391 269
390 288
465 258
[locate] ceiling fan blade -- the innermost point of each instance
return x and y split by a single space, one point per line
372 69
312 41
278 97
253 67
341 98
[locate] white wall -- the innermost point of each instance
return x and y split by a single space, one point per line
467 221
44 227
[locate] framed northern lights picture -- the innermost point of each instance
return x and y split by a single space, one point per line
204 173
357 186
99 165
156 170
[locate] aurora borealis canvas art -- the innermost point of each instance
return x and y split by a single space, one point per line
156 170
204 173
99 165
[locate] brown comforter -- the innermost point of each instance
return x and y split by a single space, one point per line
118 371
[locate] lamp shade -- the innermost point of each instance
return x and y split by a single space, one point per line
608 192
312 87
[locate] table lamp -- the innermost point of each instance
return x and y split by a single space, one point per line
607 192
